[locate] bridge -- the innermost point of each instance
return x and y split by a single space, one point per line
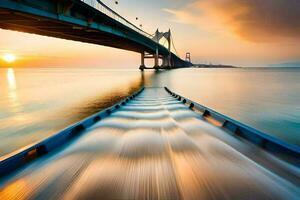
89 21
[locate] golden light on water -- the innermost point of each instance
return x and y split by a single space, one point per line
9 58
12 92
11 79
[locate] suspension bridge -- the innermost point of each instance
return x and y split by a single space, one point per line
89 21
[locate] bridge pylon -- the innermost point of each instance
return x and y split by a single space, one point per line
188 57
142 66
166 59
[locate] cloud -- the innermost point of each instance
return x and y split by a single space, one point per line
252 20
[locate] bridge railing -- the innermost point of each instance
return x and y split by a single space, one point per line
97 4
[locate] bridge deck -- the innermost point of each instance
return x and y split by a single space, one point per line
154 147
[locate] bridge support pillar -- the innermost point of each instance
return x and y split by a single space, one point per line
156 60
142 66
166 62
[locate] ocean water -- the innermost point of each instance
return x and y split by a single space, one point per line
36 103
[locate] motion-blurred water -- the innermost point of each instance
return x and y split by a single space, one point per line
155 147
36 103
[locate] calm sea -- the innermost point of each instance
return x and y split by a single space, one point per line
36 103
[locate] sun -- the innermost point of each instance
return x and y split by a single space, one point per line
9 58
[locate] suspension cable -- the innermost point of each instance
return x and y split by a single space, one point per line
172 41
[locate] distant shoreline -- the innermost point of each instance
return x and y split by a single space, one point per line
212 66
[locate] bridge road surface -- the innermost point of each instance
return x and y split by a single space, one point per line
154 147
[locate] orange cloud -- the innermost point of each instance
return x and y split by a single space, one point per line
252 20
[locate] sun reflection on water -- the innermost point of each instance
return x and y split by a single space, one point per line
12 89
11 79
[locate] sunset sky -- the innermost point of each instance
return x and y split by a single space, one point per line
238 32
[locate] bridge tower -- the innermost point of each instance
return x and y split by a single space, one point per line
166 59
188 57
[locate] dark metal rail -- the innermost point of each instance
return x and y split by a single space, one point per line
99 5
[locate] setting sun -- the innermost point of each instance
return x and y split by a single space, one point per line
9 58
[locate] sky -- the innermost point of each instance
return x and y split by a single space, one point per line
237 32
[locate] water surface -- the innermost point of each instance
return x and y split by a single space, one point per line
36 103
155 147
265 98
